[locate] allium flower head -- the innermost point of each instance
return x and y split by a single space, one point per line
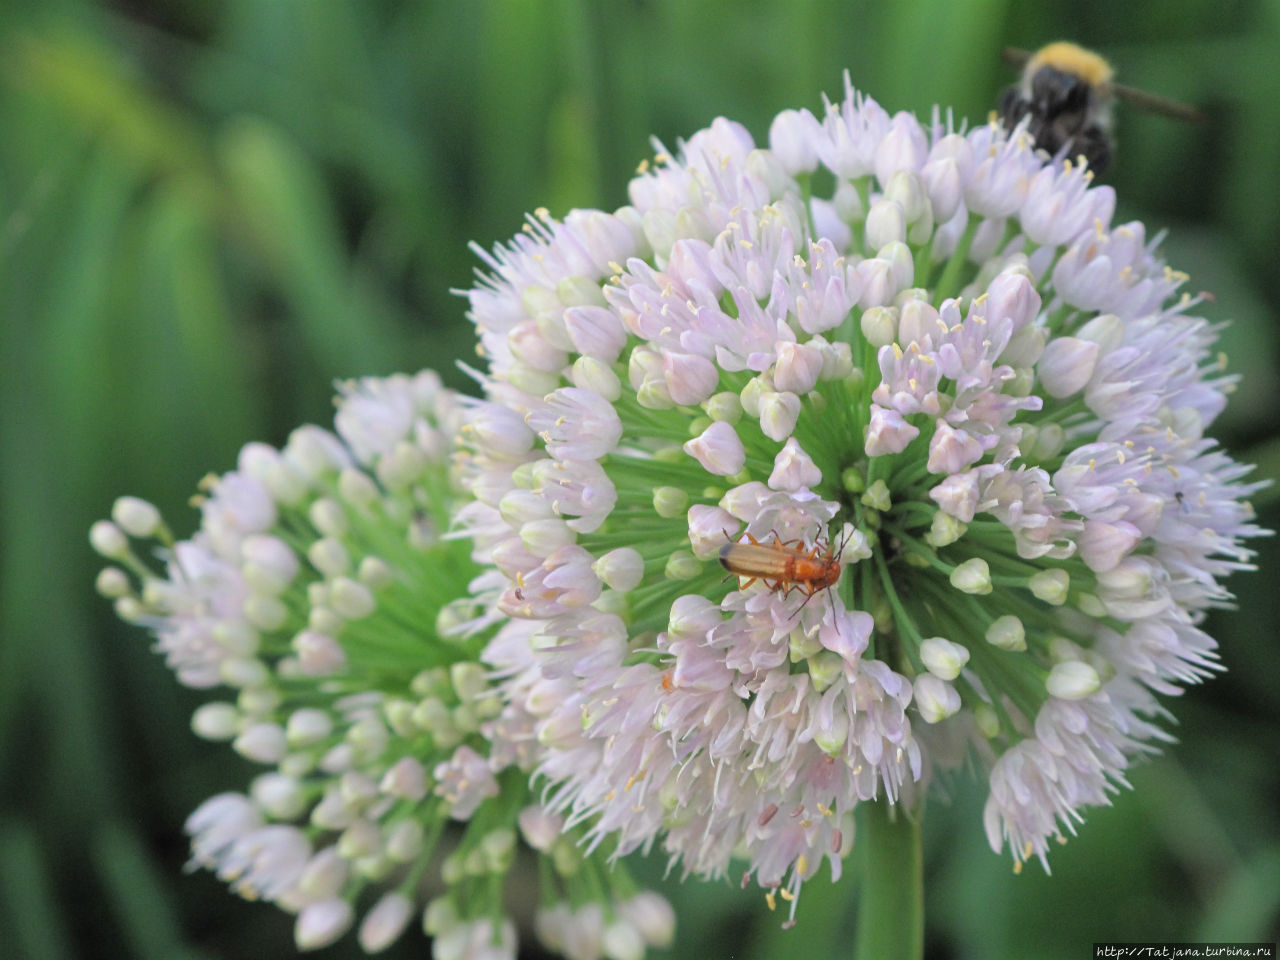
322 593
930 345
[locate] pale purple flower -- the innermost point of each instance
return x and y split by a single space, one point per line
1018 458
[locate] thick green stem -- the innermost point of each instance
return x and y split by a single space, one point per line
891 908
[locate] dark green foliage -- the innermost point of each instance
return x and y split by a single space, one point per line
208 212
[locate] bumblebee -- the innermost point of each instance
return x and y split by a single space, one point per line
1067 92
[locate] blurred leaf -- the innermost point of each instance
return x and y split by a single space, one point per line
824 921
94 89
1247 906
918 82
138 897
33 926
280 205
1250 338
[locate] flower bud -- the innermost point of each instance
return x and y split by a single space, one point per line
906 189
1007 633
597 376
243 672
357 488
1067 365
279 795
405 779
1103 545
375 573
1050 586
652 915
262 743
384 924
682 565
112 583
848 203
1073 680
778 414
269 564
1026 347
108 540
877 496
440 917
351 599
935 699
322 923
792 136
308 726
725 406
917 320
1106 330
943 658
622 941
888 432
793 469
670 502
324 875
798 366
136 517
540 827
879 325
719 450
986 720
944 530
215 721
886 223
404 840
972 576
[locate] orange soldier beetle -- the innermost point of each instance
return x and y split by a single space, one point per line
784 567
781 566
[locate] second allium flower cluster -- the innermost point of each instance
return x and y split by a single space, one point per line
925 354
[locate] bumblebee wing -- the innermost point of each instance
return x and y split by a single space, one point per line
1155 104
1015 58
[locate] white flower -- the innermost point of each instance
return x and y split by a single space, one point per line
955 356
317 585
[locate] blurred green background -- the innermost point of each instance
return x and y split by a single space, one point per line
210 211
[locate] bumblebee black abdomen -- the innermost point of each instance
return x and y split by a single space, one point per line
1062 108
